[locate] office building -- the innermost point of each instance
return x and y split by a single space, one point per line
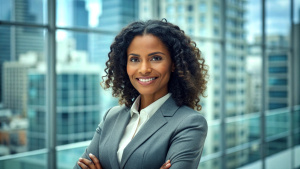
78 104
115 15
15 84
80 19
16 41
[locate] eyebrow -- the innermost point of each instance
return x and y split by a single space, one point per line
154 53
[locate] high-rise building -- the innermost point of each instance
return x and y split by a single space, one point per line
80 19
277 63
254 84
202 20
15 83
4 53
5 41
115 15
296 62
17 41
78 104
27 39
15 86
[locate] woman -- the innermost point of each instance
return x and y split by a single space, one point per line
159 75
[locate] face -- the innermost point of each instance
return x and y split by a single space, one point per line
149 66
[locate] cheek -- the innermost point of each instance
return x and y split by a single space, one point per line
129 71
166 70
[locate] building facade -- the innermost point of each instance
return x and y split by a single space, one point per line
78 100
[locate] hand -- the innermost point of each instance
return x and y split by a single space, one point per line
87 164
166 165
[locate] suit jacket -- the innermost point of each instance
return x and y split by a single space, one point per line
174 133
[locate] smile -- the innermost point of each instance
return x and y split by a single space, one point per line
147 80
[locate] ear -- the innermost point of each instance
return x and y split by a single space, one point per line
173 67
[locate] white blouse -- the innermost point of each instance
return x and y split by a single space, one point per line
138 120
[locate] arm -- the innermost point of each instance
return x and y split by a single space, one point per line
93 147
187 142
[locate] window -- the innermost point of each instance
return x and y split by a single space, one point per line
190 8
202 18
202 7
83 37
278 70
278 58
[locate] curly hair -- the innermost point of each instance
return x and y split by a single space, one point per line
189 79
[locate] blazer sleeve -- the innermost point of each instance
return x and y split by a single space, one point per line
187 142
93 147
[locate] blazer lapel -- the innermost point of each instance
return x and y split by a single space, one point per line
151 126
117 133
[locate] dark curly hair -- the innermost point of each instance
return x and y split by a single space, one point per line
187 82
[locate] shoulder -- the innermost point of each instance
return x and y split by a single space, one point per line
114 111
188 117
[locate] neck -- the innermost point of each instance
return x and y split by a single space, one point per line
146 100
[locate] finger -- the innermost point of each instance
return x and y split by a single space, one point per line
82 165
89 164
166 165
95 161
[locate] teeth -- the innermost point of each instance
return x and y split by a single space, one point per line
146 80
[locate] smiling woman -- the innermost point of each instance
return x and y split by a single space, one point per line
159 75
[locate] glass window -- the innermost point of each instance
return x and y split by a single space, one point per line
180 8
190 20
29 11
278 57
216 20
277 81
216 7
190 8
202 7
170 10
243 157
22 79
277 69
202 19
213 163
212 143
84 31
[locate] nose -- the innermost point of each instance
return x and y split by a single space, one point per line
145 68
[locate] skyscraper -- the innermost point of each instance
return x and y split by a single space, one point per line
80 19
17 41
5 41
296 62
78 104
115 15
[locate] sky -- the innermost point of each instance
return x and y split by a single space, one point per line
94 7
277 17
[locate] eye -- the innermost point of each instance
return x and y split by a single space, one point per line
156 58
133 59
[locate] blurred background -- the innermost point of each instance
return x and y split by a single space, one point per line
53 54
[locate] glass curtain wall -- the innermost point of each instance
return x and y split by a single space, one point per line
60 47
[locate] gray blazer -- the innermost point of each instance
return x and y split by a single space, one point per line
174 133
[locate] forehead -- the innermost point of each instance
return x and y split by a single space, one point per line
145 43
